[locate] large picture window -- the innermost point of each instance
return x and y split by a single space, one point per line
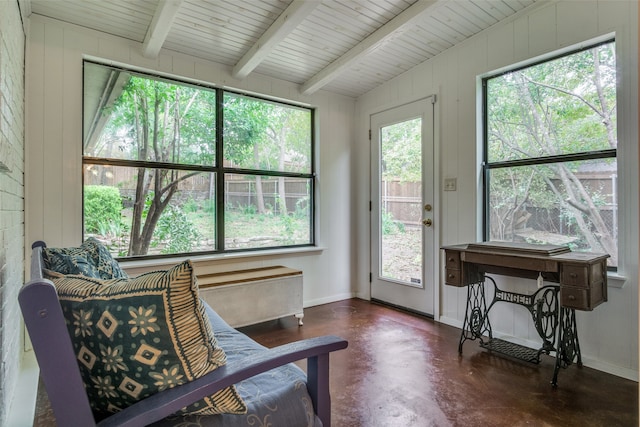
550 143
175 168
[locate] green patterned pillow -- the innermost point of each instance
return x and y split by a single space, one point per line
91 259
136 337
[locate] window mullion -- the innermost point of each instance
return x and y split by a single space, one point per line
220 193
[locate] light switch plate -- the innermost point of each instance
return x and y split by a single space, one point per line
450 184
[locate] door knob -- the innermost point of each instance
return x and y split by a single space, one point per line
427 222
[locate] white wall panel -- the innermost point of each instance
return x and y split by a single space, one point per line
611 13
520 37
501 46
609 334
34 132
51 99
542 31
578 21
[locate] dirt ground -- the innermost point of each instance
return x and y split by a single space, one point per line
401 254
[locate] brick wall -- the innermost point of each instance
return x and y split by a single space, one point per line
12 46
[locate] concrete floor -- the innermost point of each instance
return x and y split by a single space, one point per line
402 370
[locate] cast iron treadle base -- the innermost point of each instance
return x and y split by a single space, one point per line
516 351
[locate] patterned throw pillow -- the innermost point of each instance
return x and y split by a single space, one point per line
136 337
91 259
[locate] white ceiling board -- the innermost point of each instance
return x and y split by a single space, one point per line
225 31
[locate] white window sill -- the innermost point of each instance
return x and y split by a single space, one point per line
168 262
615 280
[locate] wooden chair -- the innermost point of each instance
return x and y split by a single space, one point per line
61 376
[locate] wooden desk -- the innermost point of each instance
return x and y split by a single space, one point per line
579 283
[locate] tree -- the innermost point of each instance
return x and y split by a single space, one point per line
402 151
163 123
558 107
261 135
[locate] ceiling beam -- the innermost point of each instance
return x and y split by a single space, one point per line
160 27
374 41
288 20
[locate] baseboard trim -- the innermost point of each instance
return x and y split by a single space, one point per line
328 300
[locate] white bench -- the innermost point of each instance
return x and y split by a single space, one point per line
246 297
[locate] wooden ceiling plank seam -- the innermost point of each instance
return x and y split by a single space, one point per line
524 3
455 25
409 52
299 52
369 44
437 39
269 10
371 10
311 49
397 7
419 39
205 40
121 14
249 8
482 12
248 15
386 10
499 10
409 47
80 18
357 15
197 31
318 45
466 17
301 70
297 57
229 56
293 16
448 31
322 32
339 24
223 17
160 26
422 49
122 9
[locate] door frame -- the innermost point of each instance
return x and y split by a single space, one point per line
437 271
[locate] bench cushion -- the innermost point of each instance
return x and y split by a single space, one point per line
277 398
135 337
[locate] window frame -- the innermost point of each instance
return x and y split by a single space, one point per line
218 169
486 166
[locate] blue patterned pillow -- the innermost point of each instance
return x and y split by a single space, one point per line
91 259
136 337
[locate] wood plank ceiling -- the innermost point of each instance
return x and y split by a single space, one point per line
344 46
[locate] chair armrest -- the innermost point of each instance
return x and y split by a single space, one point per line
160 405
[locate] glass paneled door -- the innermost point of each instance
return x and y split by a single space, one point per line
402 211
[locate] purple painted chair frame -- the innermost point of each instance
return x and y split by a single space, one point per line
61 376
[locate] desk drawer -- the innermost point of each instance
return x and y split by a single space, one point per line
453 277
572 297
452 259
575 275
583 298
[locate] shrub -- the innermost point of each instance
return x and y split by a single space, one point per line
175 231
390 225
102 208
